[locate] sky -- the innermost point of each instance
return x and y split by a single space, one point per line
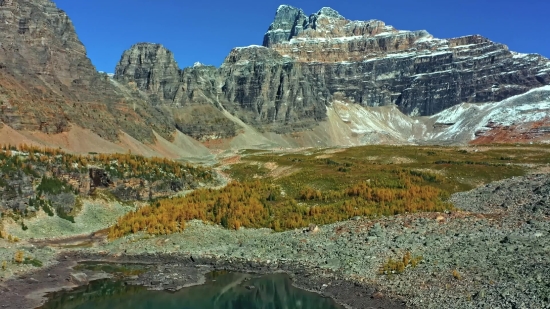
206 30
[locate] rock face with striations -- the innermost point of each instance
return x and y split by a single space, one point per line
47 83
308 67
307 63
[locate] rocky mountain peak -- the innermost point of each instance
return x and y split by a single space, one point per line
288 22
329 12
309 69
292 26
147 64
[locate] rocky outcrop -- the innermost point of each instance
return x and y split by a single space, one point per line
149 67
379 65
308 63
48 83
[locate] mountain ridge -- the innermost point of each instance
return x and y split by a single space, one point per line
319 81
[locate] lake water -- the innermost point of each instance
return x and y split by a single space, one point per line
223 290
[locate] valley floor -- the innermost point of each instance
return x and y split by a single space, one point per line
493 251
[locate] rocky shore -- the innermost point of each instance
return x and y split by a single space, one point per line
173 272
493 253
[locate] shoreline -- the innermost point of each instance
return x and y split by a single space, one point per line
31 290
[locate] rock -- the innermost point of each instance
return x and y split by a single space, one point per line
99 178
328 58
376 231
313 228
377 295
289 22
79 278
41 50
307 67
32 280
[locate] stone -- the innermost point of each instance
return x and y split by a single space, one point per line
313 228
32 280
79 278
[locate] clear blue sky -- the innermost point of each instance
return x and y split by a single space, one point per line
206 30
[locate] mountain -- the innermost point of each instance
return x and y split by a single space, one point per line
318 80
309 66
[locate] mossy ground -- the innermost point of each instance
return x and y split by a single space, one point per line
460 168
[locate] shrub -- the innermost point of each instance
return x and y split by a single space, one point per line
456 275
19 257
33 262
398 266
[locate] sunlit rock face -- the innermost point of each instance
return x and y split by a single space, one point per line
377 64
307 63
48 84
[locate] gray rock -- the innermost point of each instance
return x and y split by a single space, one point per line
79 278
281 94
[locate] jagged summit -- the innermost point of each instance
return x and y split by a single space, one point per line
291 25
146 60
329 12
309 62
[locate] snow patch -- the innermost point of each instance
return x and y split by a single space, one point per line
516 55
250 46
465 119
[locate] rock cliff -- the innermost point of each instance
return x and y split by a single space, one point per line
318 80
47 83
308 63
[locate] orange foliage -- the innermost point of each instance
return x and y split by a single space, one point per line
257 204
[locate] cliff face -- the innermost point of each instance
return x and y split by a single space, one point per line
48 83
309 78
373 64
307 63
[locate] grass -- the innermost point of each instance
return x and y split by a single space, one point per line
328 185
32 261
460 169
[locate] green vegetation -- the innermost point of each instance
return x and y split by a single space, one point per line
292 190
260 204
53 186
58 177
457 169
19 257
31 159
33 262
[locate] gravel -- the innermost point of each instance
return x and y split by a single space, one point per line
499 246
494 253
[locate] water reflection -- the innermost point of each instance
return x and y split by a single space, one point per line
222 290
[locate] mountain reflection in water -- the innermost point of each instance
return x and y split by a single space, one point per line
222 290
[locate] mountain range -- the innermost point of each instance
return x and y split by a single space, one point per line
317 81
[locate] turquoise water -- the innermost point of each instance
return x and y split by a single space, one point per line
222 290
